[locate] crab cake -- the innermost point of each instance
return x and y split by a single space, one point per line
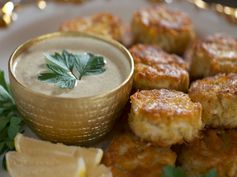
165 117
104 24
156 69
217 150
128 156
213 55
218 96
170 29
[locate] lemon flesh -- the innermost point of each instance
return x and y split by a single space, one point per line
25 165
92 156
100 171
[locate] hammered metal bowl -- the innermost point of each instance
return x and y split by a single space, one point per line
70 120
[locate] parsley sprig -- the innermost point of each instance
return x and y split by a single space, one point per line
10 120
171 171
66 69
211 173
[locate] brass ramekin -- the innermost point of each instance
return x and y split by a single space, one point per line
70 120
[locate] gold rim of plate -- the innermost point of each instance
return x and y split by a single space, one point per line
23 47
229 12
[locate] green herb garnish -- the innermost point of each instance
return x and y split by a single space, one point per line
171 171
211 173
66 69
10 120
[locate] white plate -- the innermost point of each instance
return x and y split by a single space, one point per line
33 22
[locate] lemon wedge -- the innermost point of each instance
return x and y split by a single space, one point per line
92 156
25 165
100 171
37 158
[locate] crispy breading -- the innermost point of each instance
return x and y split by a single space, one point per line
218 96
104 24
156 69
128 156
215 54
170 29
165 117
217 150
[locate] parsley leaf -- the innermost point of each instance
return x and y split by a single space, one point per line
3 122
3 81
171 171
4 95
211 173
15 126
10 120
65 69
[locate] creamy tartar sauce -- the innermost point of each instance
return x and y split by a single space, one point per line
32 62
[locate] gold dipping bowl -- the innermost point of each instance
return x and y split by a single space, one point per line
70 120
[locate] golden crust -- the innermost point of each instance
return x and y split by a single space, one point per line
159 104
154 68
217 149
104 24
164 117
151 54
219 84
213 55
128 157
164 27
218 95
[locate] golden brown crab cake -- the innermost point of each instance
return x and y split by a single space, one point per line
104 24
128 156
170 29
155 69
218 96
217 150
165 117
213 55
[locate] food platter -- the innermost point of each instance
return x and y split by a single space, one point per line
33 22
40 22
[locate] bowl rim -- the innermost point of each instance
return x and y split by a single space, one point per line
46 36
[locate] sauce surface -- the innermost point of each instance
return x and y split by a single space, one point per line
32 62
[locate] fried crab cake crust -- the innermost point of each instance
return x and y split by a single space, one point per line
128 156
213 55
104 24
165 117
156 69
217 150
170 29
218 96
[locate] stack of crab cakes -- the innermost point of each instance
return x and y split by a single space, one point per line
204 122
166 110
214 62
161 114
